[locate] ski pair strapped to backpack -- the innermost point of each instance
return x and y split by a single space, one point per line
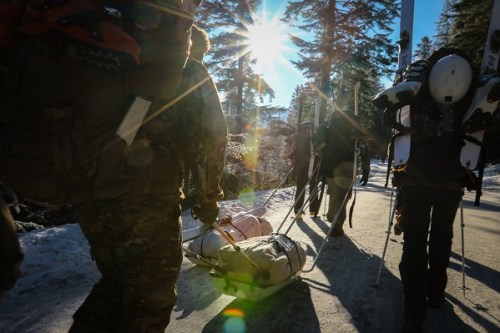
479 114
485 102
401 142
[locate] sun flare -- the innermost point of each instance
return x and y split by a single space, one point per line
266 42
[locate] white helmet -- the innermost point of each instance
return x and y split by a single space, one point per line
450 79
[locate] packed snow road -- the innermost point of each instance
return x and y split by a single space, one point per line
337 295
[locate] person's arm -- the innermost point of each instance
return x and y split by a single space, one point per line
206 160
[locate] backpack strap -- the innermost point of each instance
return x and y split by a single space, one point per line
86 31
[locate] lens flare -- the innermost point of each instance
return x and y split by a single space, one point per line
233 312
234 322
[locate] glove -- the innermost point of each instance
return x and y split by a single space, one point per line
364 179
206 212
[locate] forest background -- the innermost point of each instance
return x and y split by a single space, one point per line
338 44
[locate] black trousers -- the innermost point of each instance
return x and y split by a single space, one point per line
426 254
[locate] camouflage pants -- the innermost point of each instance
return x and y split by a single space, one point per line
136 243
339 186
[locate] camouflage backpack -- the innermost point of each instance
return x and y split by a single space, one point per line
80 78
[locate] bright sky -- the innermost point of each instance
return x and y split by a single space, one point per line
283 77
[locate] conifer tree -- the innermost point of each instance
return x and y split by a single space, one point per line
444 24
339 44
471 20
302 106
229 61
424 49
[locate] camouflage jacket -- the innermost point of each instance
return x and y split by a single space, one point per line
186 133
60 106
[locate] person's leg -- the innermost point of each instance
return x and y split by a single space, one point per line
150 261
413 265
313 190
302 177
101 308
140 269
341 188
446 203
332 202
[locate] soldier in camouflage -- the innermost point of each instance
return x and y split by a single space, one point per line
136 239
336 142
206 140
74 69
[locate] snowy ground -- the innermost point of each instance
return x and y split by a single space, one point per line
337 295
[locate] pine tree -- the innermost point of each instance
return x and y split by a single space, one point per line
302 105
470 27
444 24
342 47
229 60
424 49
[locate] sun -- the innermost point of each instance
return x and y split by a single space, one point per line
266 41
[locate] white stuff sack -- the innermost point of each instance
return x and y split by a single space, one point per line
243 227
277 258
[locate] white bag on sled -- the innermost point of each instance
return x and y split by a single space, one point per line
243 227
277 258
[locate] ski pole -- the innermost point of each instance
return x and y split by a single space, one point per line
480 176
302 192
312 193
317 181
190 253
278 187
321 193
392 211
351 209
389 160
463 245
356 152
336 217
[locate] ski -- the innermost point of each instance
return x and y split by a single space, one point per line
486 97
402 141
315 161
484 103
491 55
